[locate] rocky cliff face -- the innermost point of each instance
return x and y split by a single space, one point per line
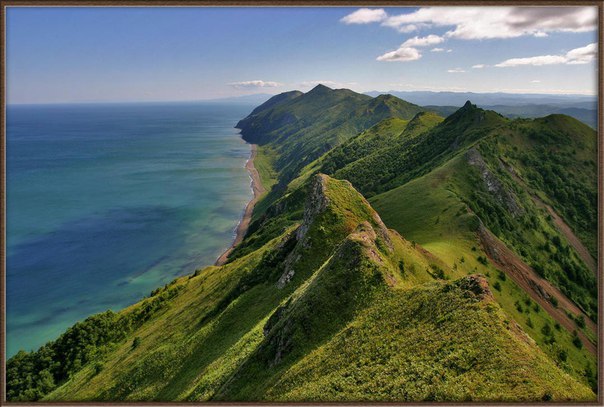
502 194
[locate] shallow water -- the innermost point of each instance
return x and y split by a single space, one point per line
107 202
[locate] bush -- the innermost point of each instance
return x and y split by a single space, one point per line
577 341
562 355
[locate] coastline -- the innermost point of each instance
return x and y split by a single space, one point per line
244 223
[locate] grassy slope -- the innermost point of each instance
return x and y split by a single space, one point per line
301 129
235 332
242 331
432 211
557 156
415 156
400 349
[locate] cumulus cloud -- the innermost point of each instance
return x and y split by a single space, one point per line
583 55
478 66
470 23
255 84
455 70
576 56
401 55
423 41
408 51
365 16
478 23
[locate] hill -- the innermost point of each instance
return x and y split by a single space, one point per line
336 308
587 114
298 130
467 275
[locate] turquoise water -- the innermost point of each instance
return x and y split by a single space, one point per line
107 202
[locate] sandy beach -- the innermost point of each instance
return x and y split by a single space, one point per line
258 190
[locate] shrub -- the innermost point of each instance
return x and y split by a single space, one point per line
577 341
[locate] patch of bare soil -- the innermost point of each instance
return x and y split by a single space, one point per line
540 290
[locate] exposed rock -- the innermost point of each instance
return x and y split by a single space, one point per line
316 203
493 184
478 285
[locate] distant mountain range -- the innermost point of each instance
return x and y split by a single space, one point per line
490 99
581 107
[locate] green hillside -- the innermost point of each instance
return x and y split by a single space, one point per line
336 308
300 128
467 275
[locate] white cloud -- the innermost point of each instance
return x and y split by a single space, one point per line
536 61
536 81
437 50
478 66
576 56
470 23
455 70
583 55
365 16
255 84
449 50
408 52
422 41
401 55
404 29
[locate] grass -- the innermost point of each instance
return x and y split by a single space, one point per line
431 211
473 354
321 302
265 164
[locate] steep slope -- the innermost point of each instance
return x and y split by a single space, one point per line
414 156
321 301
473 163
385 355
275 100
477 193
300 129
304 318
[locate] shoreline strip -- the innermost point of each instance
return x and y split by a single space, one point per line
244 223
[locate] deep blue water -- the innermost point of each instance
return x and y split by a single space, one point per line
107 202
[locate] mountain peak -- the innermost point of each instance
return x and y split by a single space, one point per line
320 88
468 105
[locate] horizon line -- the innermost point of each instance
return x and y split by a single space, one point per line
275 94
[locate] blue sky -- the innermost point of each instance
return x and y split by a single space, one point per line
154 54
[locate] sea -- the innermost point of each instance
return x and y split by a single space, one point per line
106 202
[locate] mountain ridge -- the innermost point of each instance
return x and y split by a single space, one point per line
363 267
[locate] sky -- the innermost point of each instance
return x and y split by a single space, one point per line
101 54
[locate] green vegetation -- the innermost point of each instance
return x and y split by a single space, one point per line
302 128
32 375
322 302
